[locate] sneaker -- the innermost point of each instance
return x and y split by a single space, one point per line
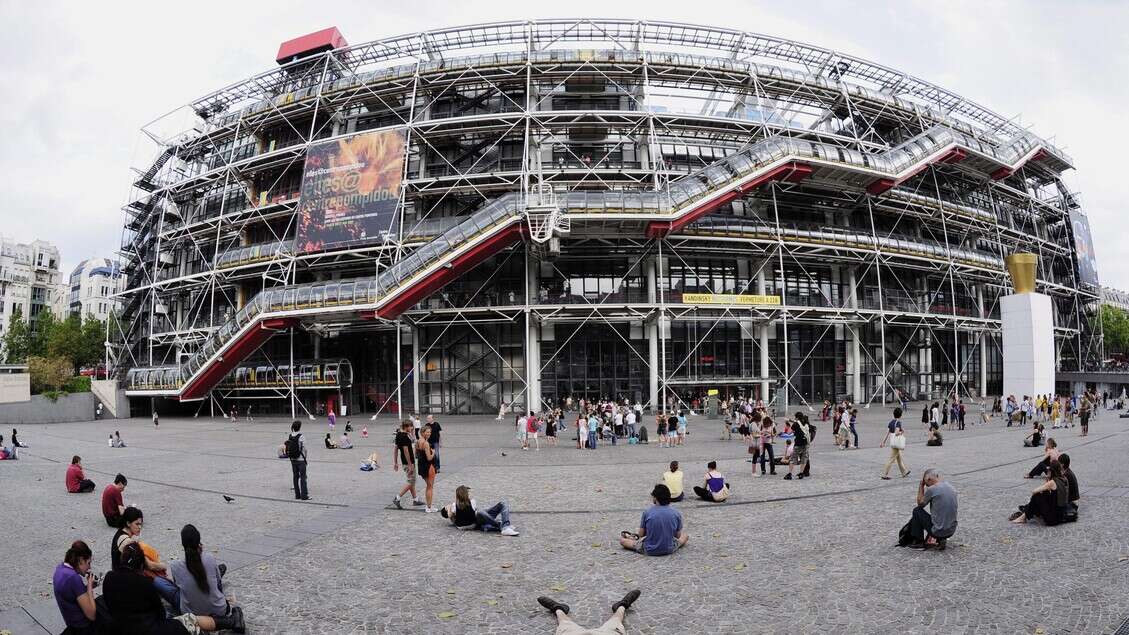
906 474
509 530
417 502
431 510
627 600
799 476
553 605
885 478
396 502
787 477
917 545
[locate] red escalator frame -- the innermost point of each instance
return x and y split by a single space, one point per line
236 352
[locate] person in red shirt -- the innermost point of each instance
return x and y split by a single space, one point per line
77 483
112 505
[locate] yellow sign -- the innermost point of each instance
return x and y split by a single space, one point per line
729 298
711 392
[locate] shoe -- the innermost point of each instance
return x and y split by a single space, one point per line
553 605
417 502
799 476
905 474
509 530
772 473
430 510
627 600
917 545
396 502
885 478
232 621
942 543
305 498
1014 515
787 477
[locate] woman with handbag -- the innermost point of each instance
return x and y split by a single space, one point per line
897 439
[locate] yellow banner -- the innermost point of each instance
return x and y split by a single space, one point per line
729 298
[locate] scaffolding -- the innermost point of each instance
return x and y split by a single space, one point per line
615 173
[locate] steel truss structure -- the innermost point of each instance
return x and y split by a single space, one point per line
566 184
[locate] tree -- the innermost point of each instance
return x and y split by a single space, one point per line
17 341
48 373
42 330
1115 326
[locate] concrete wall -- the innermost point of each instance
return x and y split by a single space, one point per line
75 407
15 387
114 401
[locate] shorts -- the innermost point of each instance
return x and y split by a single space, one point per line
410 477
640 550
672 434
533 435
800 455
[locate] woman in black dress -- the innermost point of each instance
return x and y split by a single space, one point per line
1048 501
425 464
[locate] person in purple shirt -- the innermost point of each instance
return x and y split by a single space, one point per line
660 528
74 590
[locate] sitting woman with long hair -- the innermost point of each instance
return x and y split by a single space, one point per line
1049 501
135 607
200 580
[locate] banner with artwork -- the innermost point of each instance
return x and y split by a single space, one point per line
1084 249
351 191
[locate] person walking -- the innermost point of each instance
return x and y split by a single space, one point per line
425 464
403 455
436 430
801 432
896 437
156 419
296 452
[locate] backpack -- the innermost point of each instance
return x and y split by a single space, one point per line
811 432
293 447
904 536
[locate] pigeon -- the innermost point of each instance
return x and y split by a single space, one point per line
228 498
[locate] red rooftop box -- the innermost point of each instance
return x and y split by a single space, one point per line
306 45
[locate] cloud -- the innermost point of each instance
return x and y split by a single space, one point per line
80 79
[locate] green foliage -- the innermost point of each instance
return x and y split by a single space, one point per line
77 384
17 339
1115 326
48 373
54 395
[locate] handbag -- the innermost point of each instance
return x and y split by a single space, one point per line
898 442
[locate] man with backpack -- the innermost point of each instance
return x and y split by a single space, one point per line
296 452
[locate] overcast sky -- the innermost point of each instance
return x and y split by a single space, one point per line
80 79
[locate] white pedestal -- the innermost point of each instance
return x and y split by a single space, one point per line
1029 345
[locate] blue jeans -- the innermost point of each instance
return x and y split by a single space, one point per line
169 592
591 440
495 518
631 429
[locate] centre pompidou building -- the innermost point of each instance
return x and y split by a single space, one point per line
516 213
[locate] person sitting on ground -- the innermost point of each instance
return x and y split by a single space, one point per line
1049 501
117 441
156 571
1035 439
77 483
329 444
348 425
934 439
714 489
7 454
112 505
1050 453
673 481
660 528
786 458
371 463
74 584
464 514
345 443
933 528
200 579
565 625
16 440
136 607
1072 496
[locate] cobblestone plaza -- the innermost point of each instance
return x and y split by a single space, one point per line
815 555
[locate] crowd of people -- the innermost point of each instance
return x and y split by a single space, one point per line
144 594
141 593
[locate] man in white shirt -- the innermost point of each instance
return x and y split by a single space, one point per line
631 423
